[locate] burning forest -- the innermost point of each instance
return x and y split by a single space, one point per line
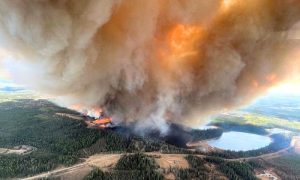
150 62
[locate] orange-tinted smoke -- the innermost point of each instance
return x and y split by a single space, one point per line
150 62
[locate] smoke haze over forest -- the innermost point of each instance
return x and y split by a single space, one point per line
154 61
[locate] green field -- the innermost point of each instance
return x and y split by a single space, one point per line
260 121
12 96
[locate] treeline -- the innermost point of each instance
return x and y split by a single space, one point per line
279 142
138 144
140 166
287 166
134 166
237 171
36 162
214 168
248 128
123 140
206 134
136 161
197 169
114 142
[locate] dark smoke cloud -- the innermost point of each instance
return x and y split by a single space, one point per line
150 61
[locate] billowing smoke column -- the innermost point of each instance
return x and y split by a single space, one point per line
150 61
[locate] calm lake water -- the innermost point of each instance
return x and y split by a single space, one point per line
239 141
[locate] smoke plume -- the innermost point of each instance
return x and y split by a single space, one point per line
150 61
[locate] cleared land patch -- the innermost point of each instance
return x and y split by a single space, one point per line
20 150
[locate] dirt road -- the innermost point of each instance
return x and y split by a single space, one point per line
107 161
264 156
78 171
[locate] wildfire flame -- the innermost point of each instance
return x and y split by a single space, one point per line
103 121
95 112
100 119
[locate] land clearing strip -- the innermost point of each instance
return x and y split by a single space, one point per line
19 150
107 162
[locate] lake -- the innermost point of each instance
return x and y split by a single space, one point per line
240 141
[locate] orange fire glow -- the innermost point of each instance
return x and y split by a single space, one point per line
255 84
271 78
182 45
183 40
76 107
97 111
90 111
103 121
226 4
